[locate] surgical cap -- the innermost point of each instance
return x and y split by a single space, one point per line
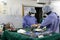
46 9
32 10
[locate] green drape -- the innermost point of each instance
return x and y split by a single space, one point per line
8 35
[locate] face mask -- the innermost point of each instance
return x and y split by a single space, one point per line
32 14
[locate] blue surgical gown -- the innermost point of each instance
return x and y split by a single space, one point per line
28 21
51 22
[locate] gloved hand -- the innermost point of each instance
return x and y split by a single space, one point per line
36 25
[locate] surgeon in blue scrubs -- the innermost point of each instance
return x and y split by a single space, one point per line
29 19
51 22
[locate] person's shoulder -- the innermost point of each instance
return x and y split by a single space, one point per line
25 17
50 15
53 14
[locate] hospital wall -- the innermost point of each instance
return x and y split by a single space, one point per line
13 13
55 7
